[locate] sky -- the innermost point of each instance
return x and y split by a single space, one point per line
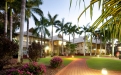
61 7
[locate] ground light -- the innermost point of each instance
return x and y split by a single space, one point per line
104 71
72 56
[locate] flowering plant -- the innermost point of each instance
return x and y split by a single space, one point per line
34 68
17 72
56 62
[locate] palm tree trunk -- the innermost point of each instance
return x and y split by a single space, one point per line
112 46
62 42
84 44
52 41
91 46
100 46
105 48
27 41
20 52
41 45
96 47
11 23
6 19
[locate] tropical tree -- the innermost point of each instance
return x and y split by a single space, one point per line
52 22
32 8
68 29
84 29
111 11
61 29
20 52
41 28
74 30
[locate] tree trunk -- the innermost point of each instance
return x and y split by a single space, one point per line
62 42
113 47
11 24
6 20
27 41
41 45
20 52
84 44
52 42
100 46
91 46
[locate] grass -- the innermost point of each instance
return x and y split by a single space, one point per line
46 61
99 63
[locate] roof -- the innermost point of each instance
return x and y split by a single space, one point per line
57 37
81 39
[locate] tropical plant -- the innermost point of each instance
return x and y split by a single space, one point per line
32 8
61 29
111 11
41 27
84 30
52 22
34 68
34 51
56 62
20 53
7 50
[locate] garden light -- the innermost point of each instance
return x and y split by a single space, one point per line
72 56
104 71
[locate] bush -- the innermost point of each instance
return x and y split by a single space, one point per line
56 62
28 69
7 50
17 72
34 51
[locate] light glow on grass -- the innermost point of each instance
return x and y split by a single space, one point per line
104 71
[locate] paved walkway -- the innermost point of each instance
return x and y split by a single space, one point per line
79 67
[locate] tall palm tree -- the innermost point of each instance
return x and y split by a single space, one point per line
84 30
68 29
41 27
52 22
61 29
32 8
20 52
74 30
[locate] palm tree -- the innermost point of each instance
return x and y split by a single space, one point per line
84 30
20 53
61 29
74 30
68 29
32 8
52 22
110 14
41 27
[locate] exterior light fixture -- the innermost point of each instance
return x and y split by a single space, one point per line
72 56
104 71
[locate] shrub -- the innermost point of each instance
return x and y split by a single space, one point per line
34 68
17 72
34 51
7 50
56 62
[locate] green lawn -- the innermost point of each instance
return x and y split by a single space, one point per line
46 61
109 64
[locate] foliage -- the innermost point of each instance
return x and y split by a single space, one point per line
56 62
34 68
7 50
72 47
34 51
28 69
